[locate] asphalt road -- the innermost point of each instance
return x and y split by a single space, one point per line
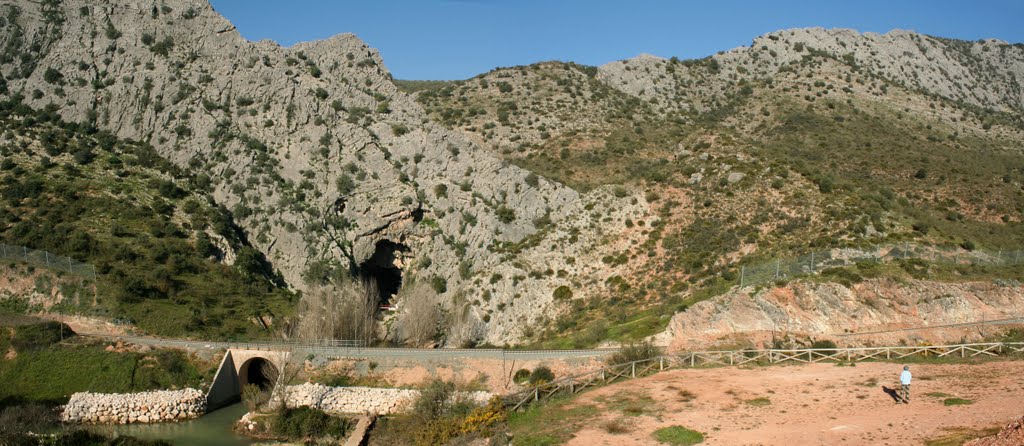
361 352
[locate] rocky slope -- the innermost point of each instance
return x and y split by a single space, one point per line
986 73
552 198
320 159
805 311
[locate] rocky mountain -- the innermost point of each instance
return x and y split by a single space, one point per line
555 199
317 155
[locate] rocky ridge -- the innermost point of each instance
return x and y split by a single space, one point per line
318 156
985 73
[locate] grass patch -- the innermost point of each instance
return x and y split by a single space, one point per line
956 402
551 423
678 435
630 403
759 402
959 436
50 372
938 395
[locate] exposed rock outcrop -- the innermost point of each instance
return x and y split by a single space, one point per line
1011 435
811 310
984 73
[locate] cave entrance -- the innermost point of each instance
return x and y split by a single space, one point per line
383 269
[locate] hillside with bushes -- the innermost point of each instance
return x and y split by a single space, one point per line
224 184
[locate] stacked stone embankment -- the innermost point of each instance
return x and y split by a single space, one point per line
360 400
144 407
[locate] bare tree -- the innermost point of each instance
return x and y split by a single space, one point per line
346 311
418 322
465 328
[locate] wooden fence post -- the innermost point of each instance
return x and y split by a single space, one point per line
661 364
632 369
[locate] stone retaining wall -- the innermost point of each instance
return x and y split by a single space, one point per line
144 407
359 400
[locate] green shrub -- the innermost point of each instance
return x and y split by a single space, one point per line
562 293
440 399
505 214
52 76
305 422
678 435
541 375
521 376
633 352
39 336
439 284
824 344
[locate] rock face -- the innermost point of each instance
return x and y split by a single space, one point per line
360 400
145 407
1012 434
822 310
322 161
985 73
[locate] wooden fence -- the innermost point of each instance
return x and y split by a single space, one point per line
606 375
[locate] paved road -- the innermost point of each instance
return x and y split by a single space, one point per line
360 352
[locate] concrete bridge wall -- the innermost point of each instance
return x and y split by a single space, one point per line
239 368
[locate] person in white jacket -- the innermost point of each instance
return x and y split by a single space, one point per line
905 384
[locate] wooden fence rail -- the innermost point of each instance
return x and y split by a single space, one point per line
606 375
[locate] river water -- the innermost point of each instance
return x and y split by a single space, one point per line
213 429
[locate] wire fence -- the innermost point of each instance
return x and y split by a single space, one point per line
815 262
47 260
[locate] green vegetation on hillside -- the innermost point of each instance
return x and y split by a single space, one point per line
37 366
819 154
156 238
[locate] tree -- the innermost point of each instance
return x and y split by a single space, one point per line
419 321
346 311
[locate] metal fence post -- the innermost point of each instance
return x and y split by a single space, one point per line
46 255
743 270
778 263
812 263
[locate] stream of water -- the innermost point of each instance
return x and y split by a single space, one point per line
213 429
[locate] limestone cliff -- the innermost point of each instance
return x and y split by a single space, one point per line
318 156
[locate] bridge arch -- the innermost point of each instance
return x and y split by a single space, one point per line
241 367
259 371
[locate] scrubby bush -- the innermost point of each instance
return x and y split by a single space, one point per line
306 423
541 375
633 352
562 293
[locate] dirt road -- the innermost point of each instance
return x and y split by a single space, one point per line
816 404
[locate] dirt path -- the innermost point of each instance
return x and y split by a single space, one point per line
816 404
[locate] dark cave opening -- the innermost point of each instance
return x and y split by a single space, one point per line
384 270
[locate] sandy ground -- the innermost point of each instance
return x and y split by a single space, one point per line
815 404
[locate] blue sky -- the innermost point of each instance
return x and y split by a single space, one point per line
457 39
